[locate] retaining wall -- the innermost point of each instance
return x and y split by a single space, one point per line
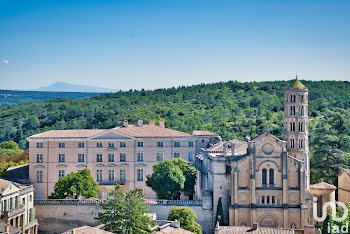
56 216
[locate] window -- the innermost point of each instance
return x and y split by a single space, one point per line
122 157
99 144
81 145
98 157
160 144
81 157
263 200
110 157
23 201
301 127
39 145
292 126
122 175
39 158
39 176
122 144
301 143
110 144
160 156
268 200
190 156
139 174
176 144
30 198
61 145
16 201
111 175
140 157
272 176
99 175
60 174
273 200
264 176
61 157
302 111
140 144
11 202
291 143
190 144
177 155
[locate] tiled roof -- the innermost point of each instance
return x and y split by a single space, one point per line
323 185
131 130
240 147
346 170
150 131
203 133
297 84
12 229
170 229
3 184
258 137
260 230
85 230
80 133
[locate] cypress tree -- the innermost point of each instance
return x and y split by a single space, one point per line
219 213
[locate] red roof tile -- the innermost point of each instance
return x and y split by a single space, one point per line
323 185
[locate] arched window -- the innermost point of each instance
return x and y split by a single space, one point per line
264 176
302 111
262 200
268 200
272 176
273 200
301 143
292 143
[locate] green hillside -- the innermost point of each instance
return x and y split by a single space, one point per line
231 109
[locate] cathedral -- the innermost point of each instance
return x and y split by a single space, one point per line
264 180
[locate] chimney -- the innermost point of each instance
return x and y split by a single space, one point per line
176 224
126 123
151 123
162 123
140 123
224 148
233 148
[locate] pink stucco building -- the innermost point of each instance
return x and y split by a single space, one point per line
122 155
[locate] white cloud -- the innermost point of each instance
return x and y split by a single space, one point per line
5 61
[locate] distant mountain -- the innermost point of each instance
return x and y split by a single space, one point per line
66 87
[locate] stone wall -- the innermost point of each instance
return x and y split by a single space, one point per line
58 217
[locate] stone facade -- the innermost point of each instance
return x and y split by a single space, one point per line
264 180
123 155
344 186
17 206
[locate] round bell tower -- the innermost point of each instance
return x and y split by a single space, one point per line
296 122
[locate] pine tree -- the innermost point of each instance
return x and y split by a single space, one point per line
125 212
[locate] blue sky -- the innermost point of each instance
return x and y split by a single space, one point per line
124 44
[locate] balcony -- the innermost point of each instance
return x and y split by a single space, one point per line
13 212
31 224
111 182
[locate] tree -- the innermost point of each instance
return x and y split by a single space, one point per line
9 148
220 213
328 222
186 217
74 185
167 180
190 176
125 212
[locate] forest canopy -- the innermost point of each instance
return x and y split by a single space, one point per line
232 109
